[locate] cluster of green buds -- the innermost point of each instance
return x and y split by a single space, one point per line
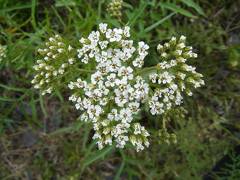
57 56
173 76
114 8
166 137
3 50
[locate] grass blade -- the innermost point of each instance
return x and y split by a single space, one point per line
33 10
158 23
97 155
6 99
13 88
18 7
43 106
72 128
177 9
119 172
194 5
137 14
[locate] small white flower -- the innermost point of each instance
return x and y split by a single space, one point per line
103 44
126 31
134 107
103 27
182 38
94 36
113 115
114 35
120 100
138 62
142 48
126 72
110 80
85 59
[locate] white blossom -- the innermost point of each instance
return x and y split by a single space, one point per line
114 87
113 94
103 27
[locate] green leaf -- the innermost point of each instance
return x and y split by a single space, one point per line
42 106
137 14
65 3
9 88
7 99
194 5
177 9
158 23
72 128
17 7
97 155
119 172
33 11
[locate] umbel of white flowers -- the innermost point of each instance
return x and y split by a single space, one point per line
113 96
2 52
114 91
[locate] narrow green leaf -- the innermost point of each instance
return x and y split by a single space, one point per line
59 95
65 3
158 23
137 14
72 128
127 5
33 107
42 106
13 88
194 5
97 155
33 10
18 7
6 99
85 136
119 172
59 17
177 9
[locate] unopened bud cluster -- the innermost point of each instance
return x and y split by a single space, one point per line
57 57
173 76
2 52
114 8
166 137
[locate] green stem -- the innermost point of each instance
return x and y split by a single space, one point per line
85 70
164 124
146 70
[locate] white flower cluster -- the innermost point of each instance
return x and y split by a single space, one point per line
115 86
56 59
112 96
173 76
2 52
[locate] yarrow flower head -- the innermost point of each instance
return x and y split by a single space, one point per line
173 76
57 56
3 50
110 86
112 96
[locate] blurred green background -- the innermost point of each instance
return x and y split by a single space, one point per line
40 137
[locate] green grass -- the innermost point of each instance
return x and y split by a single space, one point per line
42 138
